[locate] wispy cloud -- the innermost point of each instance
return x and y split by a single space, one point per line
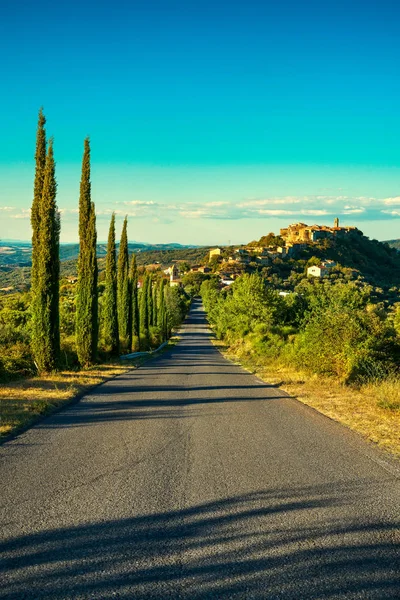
310 208
393 213
392 201
15 213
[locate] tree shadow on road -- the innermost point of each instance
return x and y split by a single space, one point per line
293 544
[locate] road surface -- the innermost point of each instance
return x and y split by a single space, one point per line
190 478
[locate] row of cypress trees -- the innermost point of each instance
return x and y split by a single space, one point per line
128 320
125 318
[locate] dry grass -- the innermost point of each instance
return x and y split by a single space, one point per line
22 402
372 410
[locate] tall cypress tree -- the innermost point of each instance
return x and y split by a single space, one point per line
162 312
40 163
94 274
124 291
150 300
87 295
135 299
110 312
143 311
155 303
45 289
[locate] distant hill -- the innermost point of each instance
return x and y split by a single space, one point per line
19 253
18 275
394 244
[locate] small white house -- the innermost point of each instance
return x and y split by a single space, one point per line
317 271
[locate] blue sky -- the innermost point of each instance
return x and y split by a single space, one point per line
209 121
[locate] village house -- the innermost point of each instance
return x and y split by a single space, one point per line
321 270
173 272
242 256
303 233
215 252
292 248
317 271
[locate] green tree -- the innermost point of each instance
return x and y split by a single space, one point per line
110 312
175 307
124 291
150 299
155 301
135 301
192 282
40 164
87 294
162 320
45 314
143 311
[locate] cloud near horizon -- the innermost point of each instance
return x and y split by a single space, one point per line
287 208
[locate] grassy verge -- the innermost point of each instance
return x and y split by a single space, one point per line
372 410
25 401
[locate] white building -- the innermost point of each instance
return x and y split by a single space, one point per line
317 271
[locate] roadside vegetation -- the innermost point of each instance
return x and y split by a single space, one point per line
327 343
60 335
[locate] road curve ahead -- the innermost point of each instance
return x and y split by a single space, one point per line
190 478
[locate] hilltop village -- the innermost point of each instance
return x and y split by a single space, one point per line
299 252
293 244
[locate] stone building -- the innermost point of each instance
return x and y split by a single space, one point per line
303 233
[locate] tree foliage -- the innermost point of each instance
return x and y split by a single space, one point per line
144 313
329 329
45 290
40 164
87 294
110 310
124 291
135 302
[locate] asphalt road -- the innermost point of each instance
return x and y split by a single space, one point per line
190 478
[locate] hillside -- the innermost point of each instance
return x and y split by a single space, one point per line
394 243
377 262
19 276
19 253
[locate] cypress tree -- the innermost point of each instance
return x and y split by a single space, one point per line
167 320
87 295
143 311
159 308
155 303
150 300
135 299
40 164
93 270
124 291
162 312
110 312
45 288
